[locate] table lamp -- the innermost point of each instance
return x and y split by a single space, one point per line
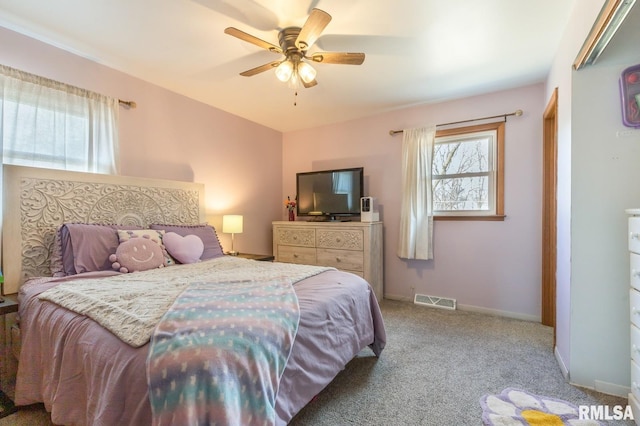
232 224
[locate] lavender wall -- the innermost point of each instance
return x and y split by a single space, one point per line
248 169
170 136
486 266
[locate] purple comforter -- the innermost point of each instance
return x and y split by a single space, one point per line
85 375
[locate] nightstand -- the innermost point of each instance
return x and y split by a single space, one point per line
260 257
8 306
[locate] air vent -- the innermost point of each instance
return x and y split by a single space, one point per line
434 301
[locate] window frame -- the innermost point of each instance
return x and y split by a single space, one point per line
499 128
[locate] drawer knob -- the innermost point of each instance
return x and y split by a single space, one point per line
635 386
635 273
337 240
338 259
634 235
635 349
635 311
295 255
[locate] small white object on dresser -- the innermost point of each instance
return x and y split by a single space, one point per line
349 246
634 300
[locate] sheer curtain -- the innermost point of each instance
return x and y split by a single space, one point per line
45 123
416 210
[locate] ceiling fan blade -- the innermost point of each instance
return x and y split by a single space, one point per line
252 39
310 84
261 68
347 58
316 22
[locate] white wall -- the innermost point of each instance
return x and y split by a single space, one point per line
604 180
582 18
489 266
596 182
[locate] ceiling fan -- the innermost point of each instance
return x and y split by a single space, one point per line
294 44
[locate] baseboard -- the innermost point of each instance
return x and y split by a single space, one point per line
561 364
477 309
398 298
599 385
606 388
612 389
499 313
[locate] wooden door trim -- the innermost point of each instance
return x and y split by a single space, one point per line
549 210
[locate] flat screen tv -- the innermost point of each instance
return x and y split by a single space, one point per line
330 194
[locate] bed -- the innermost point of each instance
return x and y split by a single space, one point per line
215 339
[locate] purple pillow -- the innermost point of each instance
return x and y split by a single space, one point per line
137 254
91 246
57 267
86 247
187 249
207 234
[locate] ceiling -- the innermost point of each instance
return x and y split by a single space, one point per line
417 51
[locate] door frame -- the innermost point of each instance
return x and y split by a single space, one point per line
549 210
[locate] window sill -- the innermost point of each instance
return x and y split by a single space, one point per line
498 218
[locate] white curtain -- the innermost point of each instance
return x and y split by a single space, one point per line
416 210
45 123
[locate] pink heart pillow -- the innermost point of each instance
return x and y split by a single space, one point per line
187 249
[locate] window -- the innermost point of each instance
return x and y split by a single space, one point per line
45 123
468 173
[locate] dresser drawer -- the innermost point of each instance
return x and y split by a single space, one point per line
635 343
341 259
635 379
634 301
354 247
296 237
634 234
346 239
293 254
634 273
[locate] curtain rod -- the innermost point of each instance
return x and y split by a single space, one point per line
128 104
517 113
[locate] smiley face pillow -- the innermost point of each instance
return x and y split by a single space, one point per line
137 254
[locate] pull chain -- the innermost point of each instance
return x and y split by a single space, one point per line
295 99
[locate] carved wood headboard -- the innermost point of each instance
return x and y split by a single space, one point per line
36 201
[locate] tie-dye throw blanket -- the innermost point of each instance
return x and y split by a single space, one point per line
219 352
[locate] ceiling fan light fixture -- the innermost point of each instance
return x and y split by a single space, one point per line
284 71
306 72
295 68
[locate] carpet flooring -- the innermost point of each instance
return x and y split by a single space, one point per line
435 368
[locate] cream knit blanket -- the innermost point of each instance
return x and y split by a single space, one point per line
130 305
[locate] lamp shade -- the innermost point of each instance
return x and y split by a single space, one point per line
232 224
306 72
284 71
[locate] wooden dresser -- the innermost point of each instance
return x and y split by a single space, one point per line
634 299
349 246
